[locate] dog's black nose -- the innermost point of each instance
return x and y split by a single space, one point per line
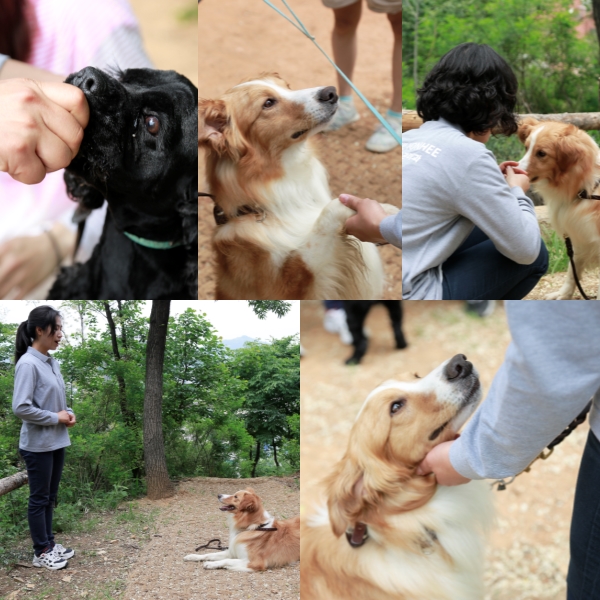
89 80
328 95
458 367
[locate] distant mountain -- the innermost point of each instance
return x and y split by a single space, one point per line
238 342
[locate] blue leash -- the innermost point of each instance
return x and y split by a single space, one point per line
299 25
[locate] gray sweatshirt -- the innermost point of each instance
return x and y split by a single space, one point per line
39 395
391 229
550 372
450 183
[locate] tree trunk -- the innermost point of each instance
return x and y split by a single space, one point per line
128 416
157 477
596 14
256 458
586 121
8 484
275 453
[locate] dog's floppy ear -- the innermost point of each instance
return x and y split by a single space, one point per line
248 504
575 159
525 127
212 121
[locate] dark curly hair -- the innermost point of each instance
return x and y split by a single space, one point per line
471 86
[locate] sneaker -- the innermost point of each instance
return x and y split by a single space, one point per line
50 560
335 322
382 140
63 552
345 114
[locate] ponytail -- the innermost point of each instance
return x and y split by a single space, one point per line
41 316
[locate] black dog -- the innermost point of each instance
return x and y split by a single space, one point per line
140 153
356 313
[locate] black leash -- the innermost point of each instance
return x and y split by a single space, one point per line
209 547
578 420
569 246
583 195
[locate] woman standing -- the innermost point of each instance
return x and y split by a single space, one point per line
40 401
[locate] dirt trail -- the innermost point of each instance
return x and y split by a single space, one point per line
238 39
528 553
553 283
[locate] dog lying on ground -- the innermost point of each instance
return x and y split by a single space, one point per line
279 234
257 541
139 153
563 165
385 532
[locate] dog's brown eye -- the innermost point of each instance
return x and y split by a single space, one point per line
540 153
152 125
397 405
269 102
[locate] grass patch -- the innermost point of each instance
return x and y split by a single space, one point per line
188 14
558 261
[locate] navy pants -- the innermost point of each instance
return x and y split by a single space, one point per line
44 470
583 580
477 271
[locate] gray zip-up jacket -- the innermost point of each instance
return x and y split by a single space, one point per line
550 372
450 183
38 396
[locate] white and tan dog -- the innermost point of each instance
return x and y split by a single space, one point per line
257 541
386 533
563 165
279 234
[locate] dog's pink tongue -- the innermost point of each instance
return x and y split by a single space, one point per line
358 534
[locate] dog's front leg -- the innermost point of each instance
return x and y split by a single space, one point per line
568 287
233 564
213 556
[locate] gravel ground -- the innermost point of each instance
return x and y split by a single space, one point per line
192 518
528 551
553 283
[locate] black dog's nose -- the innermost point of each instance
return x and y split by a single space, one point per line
219 496
458 367
328 95
89 80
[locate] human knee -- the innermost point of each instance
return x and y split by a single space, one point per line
347 19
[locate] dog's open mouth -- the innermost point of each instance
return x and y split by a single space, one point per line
296 135
227 508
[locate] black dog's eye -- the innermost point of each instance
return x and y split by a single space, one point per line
152 125
397 405
269 102
540 153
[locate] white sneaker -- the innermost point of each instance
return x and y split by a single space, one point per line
345 114
335 322
382 140
50 560
63 552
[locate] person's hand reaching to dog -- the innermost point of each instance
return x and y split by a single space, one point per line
438 462
365 223
514 175
42 127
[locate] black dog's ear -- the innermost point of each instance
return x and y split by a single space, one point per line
82 192
187 208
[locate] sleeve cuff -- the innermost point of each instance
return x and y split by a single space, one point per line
388 228
459 461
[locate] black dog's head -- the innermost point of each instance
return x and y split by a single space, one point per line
139 150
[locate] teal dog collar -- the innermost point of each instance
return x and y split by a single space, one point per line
152 243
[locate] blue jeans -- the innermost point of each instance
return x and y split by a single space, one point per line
44 470
583 580
477 271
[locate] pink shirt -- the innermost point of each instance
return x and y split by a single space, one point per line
67 35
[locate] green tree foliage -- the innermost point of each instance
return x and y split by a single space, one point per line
557 71
272 376
262 307
217 404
